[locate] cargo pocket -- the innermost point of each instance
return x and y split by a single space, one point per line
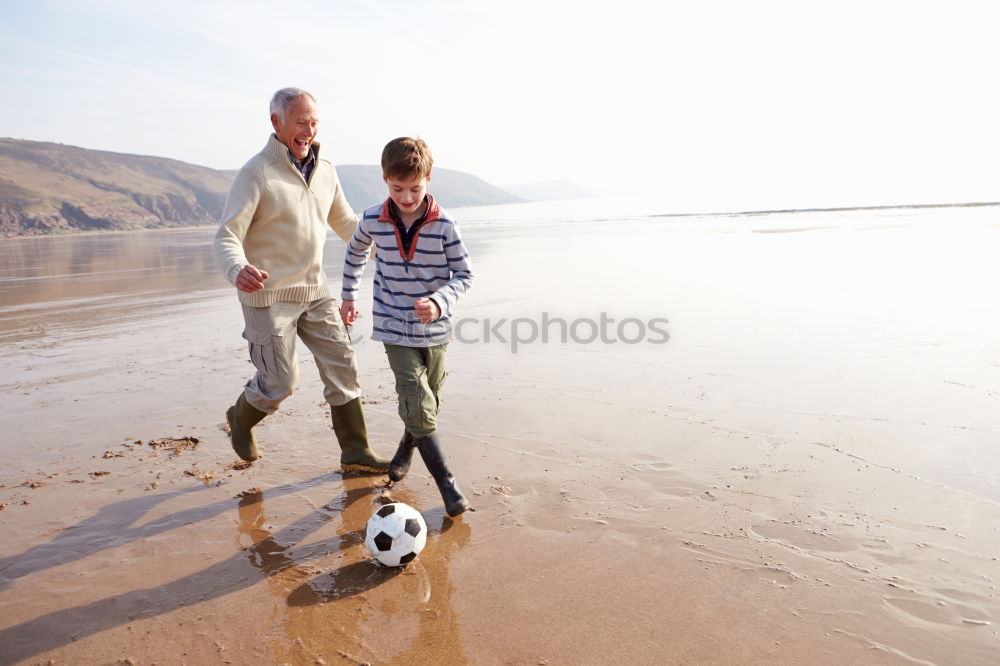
409 406
261 350
437 389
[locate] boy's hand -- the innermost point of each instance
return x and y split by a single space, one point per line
427 310
348 312
250 279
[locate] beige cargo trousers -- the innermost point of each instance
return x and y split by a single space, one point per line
271 332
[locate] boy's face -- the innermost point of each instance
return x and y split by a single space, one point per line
407 193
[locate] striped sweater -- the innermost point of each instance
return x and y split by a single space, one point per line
437 266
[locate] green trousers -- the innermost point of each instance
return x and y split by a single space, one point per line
420 375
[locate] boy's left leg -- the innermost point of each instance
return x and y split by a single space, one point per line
420 374
323 332
436 373
412 389
433 455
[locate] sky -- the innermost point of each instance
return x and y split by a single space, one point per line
700 105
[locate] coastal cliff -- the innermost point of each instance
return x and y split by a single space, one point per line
49 188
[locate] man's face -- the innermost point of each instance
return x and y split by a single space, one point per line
407 193
296 128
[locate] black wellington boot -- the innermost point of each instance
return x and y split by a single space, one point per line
430 450
400 463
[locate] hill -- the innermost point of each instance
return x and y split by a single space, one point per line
51 188
363 185
48 188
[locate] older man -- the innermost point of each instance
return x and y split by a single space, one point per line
270 247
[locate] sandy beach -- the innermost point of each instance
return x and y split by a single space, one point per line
745 439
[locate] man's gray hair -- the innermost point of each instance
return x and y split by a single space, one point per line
283 99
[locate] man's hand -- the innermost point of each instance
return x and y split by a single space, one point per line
250 279
348 312
427 310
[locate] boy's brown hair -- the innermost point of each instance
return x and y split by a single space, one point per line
405 158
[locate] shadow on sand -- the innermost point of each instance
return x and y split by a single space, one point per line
109 528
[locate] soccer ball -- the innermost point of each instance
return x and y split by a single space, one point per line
396 534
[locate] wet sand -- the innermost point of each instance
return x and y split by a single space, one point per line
806 472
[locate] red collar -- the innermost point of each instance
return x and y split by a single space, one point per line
433 210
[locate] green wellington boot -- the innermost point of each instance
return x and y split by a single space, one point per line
352 434
400 464
430 450
242 417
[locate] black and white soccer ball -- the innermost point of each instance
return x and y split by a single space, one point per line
396 534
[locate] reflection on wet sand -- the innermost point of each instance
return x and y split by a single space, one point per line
322 613
348 609
108 529
49 286
53 284
42 270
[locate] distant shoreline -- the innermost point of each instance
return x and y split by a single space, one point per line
841 209
746 213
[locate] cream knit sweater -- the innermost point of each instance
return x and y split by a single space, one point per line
276 221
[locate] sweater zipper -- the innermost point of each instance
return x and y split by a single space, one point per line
413 242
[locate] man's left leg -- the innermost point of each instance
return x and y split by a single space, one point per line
323 332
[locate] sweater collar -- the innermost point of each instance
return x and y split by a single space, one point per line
280 150
433 210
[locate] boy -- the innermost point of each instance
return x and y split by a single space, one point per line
422 268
